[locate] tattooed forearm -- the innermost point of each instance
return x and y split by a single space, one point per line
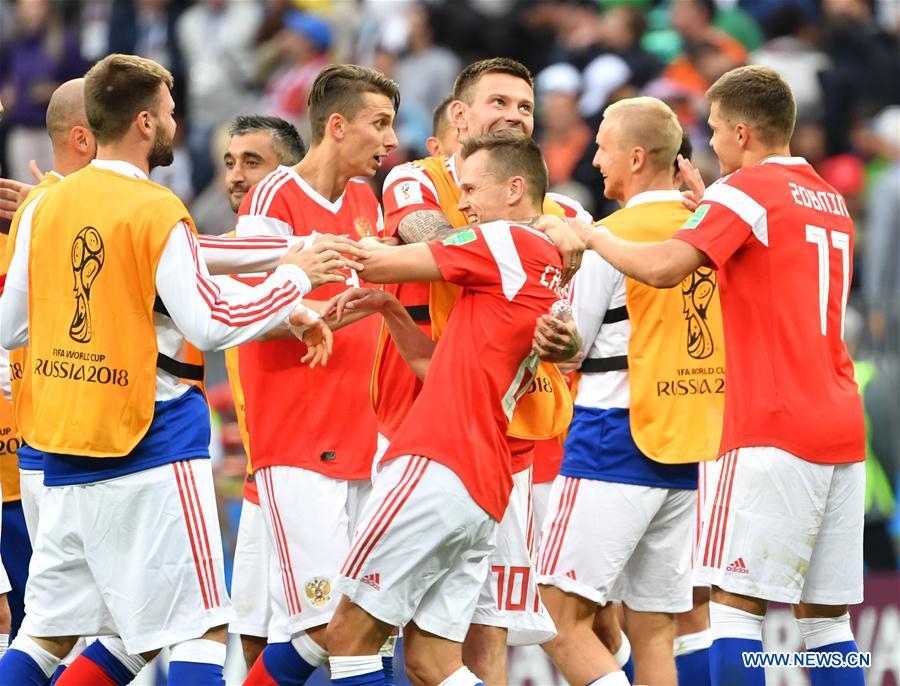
425 225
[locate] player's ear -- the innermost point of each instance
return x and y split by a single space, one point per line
458 114
80 138
742 133
336 125
145 123
515 190
638 158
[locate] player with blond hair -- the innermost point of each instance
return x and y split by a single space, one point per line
793 443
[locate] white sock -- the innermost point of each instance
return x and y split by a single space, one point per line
311 652
624 651
115 645
461 677
344 666
4 644
691 643
48 662
611 679
199 650
823 631
729 622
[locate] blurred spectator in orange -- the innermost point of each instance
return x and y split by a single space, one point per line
35 58
707 52
564 136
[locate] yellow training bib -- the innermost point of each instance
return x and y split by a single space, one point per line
96 240
676 355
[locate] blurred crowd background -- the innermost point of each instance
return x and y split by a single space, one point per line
841 57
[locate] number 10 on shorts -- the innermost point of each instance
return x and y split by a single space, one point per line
512 587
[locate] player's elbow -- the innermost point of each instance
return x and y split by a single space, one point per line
664 276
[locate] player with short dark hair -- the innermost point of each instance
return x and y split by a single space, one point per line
325 477
420 556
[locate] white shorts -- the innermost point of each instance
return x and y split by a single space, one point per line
509 597
611 541
540 496
784 529
31 485
707 480
310 520
139 556
5 586
421 551
255 567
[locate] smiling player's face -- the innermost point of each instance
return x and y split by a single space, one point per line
483 196
500 102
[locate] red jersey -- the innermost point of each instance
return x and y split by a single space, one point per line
407 189
782 241
482 362
319 419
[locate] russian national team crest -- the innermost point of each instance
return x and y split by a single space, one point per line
88 256
318 590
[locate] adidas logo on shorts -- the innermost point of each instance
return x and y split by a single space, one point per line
738 566
374 580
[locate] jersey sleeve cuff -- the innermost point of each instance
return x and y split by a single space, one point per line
296 275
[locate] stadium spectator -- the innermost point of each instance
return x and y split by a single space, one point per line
302 46
216 39
37 57
707 51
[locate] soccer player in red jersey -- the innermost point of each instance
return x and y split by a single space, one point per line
420 201
786 521
312 472
420 557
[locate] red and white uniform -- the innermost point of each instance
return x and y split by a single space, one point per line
311 431
782 241
434 517
409 188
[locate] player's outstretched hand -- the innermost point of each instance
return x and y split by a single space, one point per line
357 300
567 240
555 340
694 182
314 332
12 195
322 262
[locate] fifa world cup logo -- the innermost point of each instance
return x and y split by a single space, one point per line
697 290
87 261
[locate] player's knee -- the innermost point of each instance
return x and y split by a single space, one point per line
219 634
811 611
421 670
5 615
